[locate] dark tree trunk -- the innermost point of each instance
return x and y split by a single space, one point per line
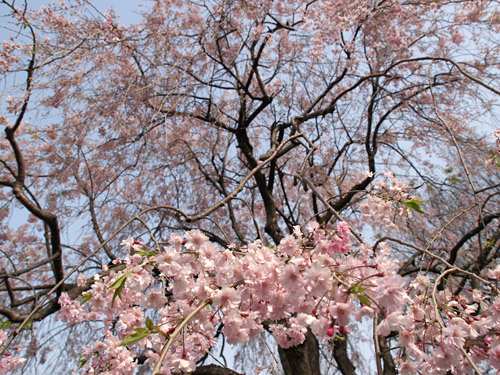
344 364
389 364
214 370
301 359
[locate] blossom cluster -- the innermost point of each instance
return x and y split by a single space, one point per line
389 200
7 56
8 361
315 280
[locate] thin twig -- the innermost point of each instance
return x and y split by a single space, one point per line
445 124
176 332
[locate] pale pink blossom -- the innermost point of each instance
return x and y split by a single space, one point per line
81 279
184 365
227 298
455 333
342 312
395 321
317 278
391 293
343 229
194 239
11 363
154 299
290 277
494 357
494 273
407 367
288 246
128 243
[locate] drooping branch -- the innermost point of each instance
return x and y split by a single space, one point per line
470 234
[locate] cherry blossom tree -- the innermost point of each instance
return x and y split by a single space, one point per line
227 171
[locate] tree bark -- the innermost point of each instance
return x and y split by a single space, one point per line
214 370
302 359
344 364
389 364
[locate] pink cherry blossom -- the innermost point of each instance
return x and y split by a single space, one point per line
227 298
390 293
494 357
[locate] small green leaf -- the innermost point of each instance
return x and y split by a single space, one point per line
146 253
363 299
27 324
490 244
5 323
121 279
82 362
118 293
150 324
118 286
85 297
357 289
413 204
139 334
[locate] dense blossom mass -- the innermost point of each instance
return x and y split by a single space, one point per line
313 182
317 281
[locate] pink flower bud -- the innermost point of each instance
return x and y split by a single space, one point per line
344 329
330 332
